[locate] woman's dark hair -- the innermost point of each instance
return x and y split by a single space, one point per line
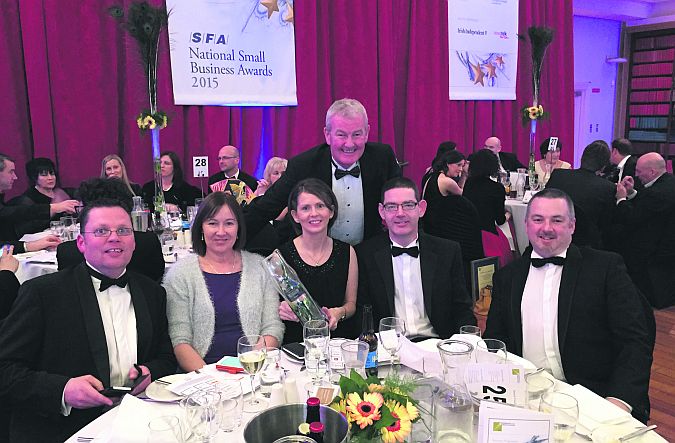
448 158
483 164
212 204
178 176
543 147
37 166
317 188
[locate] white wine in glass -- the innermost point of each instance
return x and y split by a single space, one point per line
252 351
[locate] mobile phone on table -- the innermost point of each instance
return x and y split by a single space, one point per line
294 350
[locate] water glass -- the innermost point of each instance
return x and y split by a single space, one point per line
201 412
336 362
455 355
271 372
355 354
391 330
537 385
164 429
470 330
453 416
565 410
316 362
231 406
69 228
191 213
490 350
56 228
422 430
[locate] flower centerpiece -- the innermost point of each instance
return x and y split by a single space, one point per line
377 411
148 120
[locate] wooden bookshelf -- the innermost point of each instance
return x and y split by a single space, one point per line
650 113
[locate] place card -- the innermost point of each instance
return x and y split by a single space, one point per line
499 423
504 383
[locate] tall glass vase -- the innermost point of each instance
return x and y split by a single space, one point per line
160 206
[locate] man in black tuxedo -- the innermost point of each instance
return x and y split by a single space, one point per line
74 332
228 161
507 161
10 215
574 311
353 168
412 275
647 218
593 196
623 161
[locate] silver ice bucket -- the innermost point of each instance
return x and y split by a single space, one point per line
280 421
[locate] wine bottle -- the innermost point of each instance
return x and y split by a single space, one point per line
368 336
316 431
313 408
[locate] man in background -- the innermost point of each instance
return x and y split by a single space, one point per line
508 162
228 161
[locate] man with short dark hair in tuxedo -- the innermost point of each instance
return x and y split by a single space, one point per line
409 274
74 332
622 159
228 161
354 168
574 311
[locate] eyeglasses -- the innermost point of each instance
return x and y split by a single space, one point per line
105 232
393 207
224 157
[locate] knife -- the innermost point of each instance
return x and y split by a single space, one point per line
637 433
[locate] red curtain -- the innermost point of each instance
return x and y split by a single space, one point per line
72 85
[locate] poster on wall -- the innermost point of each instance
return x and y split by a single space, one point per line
483 44
232 52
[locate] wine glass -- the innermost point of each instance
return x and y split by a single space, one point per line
252 350
565 411
391 330
490 350
316 334
470 330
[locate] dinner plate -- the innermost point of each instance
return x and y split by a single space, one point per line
159 392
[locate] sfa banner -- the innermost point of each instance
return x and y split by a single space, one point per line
483 43
232 52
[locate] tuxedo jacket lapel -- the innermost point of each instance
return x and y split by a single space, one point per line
384 264
517 288
428 263
568 283
325 167
93 323
143 319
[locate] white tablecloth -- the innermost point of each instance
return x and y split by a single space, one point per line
101 428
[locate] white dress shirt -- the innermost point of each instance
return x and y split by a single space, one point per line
408 294
348 226
119 325
621 165
539 314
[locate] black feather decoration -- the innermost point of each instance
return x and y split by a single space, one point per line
540 38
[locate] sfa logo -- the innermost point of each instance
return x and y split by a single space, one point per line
216 39
502 34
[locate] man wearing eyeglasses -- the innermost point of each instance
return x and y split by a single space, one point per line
228 161
354 168
75 332
411 275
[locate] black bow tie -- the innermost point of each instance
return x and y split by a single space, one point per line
107 282
355 172
539 262
413 251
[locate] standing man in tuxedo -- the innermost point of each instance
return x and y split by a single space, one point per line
412 275
228 161
9 215
647 240
354 168
574 311
623 161
74 332
507 162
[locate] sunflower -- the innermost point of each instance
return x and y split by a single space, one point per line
139 122
401 427
364 412
413 413
149 122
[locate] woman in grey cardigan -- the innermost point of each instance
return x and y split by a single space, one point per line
222 292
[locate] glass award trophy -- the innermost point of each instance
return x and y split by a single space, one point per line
291 288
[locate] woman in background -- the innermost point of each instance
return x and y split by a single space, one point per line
178 194
221 292
550 160
327 267
113 166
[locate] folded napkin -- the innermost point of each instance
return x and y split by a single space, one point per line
595 410
133 416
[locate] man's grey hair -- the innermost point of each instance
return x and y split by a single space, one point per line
3 159
551 194
348 108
